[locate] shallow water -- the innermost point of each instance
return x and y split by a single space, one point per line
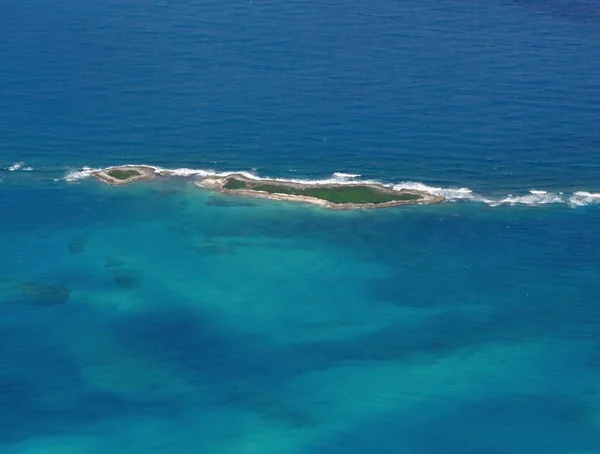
258 326
160 317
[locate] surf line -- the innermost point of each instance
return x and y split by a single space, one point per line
334 195
211 179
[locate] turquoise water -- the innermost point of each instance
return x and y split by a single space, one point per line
160 317
202 323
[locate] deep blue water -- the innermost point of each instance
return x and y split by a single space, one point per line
160 317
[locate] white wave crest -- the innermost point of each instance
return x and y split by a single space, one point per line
451 194
345 176
16 166
582 198
86 172
535 197
81 174
337 177
183 172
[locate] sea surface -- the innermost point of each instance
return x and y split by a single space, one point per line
163 318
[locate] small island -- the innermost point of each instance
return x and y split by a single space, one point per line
334 195
120 175
337 196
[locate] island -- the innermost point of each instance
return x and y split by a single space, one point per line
336 196
126 174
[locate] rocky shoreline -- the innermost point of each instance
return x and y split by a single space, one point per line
120 175
220 183
329 195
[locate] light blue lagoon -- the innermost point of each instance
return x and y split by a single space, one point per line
159 317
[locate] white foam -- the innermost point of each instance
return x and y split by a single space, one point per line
86 172
336 178
332 180
535 197
451 194
345 176
81 174
183 172
582 198
28 169
16 166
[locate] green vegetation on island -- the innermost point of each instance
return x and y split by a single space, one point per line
333 195
123 174
338 194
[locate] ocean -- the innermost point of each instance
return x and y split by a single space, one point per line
161 317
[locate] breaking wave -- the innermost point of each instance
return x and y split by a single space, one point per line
583 198
16 166
533 197
81 174
345 176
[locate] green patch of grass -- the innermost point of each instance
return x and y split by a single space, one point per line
120 174
234 184
333 194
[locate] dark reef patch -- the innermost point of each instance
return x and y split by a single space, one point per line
35 293
216 201
44 294
267 405
77 244
126 279
123 274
